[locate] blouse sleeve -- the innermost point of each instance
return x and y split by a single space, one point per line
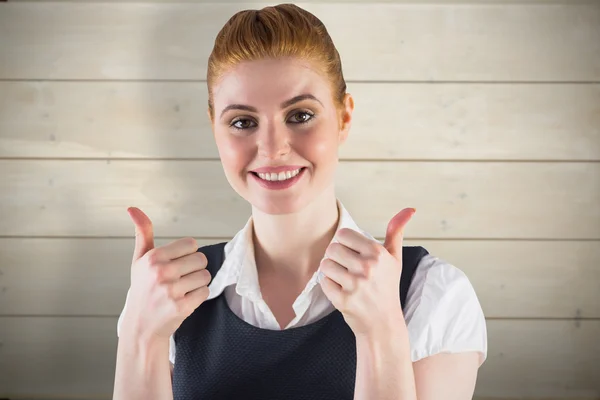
443 313
172 350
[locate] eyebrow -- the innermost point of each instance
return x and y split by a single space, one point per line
285 104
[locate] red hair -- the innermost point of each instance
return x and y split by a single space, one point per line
284 30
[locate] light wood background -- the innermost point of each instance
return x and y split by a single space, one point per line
485 115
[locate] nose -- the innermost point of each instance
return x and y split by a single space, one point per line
273 141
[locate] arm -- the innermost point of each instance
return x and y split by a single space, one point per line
385 370
447 376
143 369
167 284
140 370
448 341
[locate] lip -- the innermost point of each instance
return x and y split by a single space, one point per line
283 168
278 185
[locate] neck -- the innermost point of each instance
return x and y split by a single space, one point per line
292 245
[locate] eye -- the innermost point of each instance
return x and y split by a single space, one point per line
301 117
305 117
244 124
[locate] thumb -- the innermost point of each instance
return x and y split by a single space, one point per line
395 232
144 234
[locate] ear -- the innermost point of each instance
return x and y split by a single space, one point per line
212 123
209 116
345 117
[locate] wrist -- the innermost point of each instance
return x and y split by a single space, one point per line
392 328
136 329
146 354
137 340
141 341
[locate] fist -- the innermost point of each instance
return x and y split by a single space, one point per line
167 283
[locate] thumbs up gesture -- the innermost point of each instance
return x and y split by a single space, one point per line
362 276
167 283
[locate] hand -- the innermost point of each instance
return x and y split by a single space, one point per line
362 277
167 283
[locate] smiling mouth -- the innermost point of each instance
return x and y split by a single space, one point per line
285 178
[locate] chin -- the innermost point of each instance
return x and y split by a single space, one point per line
278 206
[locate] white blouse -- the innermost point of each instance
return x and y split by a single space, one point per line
442 312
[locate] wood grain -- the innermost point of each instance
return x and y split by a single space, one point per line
401 121
399 42
75 357
188 198
482 114
513 279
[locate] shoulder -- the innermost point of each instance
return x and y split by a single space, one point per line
442 311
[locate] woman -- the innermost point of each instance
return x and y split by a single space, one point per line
302 303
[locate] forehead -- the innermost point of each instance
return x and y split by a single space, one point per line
267 83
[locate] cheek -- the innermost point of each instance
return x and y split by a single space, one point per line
325 147
321 145
232 151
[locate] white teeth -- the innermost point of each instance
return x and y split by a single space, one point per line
282 176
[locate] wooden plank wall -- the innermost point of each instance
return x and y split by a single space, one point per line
484 115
